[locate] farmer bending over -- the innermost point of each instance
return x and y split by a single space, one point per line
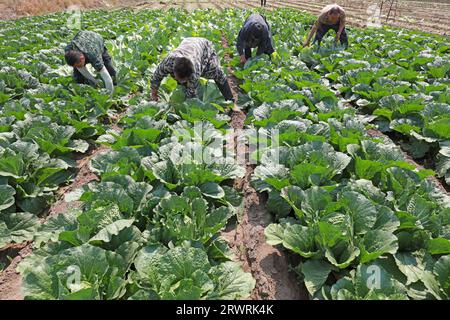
254 33
194 58
88 47
331 17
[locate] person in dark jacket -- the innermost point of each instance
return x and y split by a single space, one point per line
89 47
254 33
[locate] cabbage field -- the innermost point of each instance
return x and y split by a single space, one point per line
111 198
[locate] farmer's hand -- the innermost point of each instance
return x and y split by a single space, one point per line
306 44
154 96
95 83
243 59
338 36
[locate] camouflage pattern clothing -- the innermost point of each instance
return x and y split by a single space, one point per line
246 41
206 64
92 45
93 48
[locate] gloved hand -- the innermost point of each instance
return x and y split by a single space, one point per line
95 83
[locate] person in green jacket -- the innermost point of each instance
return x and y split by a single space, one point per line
89 48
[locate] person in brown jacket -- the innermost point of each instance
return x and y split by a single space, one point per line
331 17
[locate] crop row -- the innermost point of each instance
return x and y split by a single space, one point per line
366 222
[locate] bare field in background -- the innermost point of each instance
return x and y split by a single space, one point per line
20 8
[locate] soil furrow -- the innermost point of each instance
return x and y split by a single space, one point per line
269 265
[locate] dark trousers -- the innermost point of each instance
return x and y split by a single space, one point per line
263 3
107 61
324 28
225 90
248 53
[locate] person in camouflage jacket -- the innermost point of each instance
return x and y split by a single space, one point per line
89 47
194 58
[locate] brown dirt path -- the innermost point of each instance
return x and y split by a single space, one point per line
269 265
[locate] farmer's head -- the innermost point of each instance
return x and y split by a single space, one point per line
182 69
334 13
257 32
75 58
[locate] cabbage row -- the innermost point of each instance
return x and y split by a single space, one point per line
401 77
367 223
